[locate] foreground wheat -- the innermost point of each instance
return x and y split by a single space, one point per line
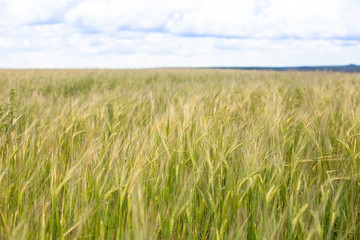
179 154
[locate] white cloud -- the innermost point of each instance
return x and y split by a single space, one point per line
17 12
135 14
140 33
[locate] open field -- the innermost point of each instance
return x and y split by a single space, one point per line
179 154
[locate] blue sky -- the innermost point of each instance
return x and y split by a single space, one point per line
160 33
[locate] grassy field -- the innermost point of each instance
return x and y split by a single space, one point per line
179 154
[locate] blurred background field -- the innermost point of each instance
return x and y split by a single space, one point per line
179 154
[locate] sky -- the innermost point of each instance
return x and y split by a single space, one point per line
186 33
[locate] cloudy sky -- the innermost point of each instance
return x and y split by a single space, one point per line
166 33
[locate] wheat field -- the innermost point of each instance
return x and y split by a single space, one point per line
179 154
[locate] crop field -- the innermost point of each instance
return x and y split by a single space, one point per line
179 154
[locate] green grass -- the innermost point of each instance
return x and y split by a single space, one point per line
179 154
